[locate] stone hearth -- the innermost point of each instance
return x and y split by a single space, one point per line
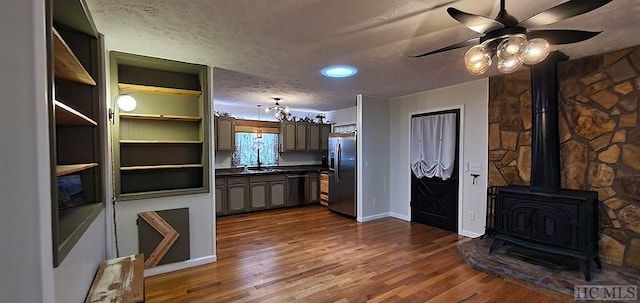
541 271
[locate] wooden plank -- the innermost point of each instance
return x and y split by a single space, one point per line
159 117
160 166
62 170
118 280
66 64
169 237
147 89
65 115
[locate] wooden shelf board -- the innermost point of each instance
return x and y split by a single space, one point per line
66 64
136 88
62 170
147 167
159 117
159 142
66 115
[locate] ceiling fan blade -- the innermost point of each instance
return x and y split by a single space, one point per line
470 42
475 23
563 11
562 36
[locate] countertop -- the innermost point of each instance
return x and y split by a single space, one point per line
238 171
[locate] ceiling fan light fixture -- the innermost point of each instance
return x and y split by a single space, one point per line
513 45
510 65
477 59
537 50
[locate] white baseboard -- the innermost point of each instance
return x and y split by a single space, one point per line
374 217
399 216
166 268
470 234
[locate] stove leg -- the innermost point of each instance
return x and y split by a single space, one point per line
494 244
597 260
585 267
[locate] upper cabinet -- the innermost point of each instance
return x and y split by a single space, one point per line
303 136
161 146
77 122
225 133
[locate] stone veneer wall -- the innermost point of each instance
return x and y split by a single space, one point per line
599 136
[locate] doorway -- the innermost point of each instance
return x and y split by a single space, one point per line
434 169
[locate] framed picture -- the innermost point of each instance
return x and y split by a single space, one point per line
70 191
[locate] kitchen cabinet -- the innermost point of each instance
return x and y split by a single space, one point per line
277 193
314 188
313 136
161 146
225 134
77 123
301 136
325 130
237 194
221 195
287 137
324 189
259 195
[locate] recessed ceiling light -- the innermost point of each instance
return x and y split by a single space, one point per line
339 71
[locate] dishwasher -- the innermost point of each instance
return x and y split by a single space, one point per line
298 192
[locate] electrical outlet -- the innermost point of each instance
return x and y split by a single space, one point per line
374 201
475 167
472 215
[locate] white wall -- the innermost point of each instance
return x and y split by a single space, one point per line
343 116
473 97
75 274
373 157
26 266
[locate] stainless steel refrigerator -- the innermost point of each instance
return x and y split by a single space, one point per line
342 173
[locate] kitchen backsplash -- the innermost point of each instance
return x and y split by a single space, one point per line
223 159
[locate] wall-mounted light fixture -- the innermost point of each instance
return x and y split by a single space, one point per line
126 102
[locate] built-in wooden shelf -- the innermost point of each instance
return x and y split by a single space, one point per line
148 167
66 64
159 117
136 88
159 142
65 115
62 170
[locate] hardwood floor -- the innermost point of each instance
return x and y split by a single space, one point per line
309 254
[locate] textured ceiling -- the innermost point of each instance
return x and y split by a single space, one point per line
275 48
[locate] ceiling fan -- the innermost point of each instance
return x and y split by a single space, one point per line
511 41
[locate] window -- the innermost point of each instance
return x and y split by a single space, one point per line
247 146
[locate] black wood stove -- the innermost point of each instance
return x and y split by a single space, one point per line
544 217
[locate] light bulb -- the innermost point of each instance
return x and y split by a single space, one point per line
286 110
537 50
509 66
513 46
126 102
477 59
